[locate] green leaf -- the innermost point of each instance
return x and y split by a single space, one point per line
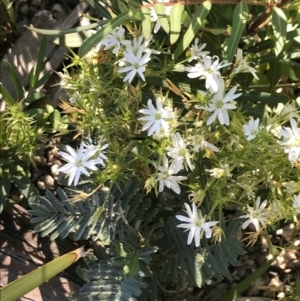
72 40
132 266
6 96
27 188
195 25
274 73
175 21
4 190
42 80
21 286
40 61
240 15
89 43
160 10
279 25
101 10
122 7
14 78
245 284
146 22
61 32
35 96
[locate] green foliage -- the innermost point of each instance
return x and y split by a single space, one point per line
201 265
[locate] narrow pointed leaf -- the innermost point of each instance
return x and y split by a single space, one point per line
18 288
102 11
6 96
279 25
175 21
240 15
89 43
146 22
72 40
61 32
40 61
14 78
274 73
195 25
160 10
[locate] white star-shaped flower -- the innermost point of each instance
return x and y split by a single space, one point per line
139 43
257 215
291 140
78 161
296 203
157 118
208 68
222 171
196 51
135 64
179 152
153 14
251 128
97 149
115 39
198 142
196 224
166 176
241 64
219 104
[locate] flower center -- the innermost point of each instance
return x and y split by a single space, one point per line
297 142
165 175
157 116
253 131
199 222
219 104
209 70
136 66
79 163
182 152
199 139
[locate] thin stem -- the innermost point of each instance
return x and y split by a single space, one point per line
277 86
194 2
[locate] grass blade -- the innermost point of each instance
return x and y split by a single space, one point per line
197 21
240 15
175 21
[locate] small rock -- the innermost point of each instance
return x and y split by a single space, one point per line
35 3
54 170
58 12
41 160
23 9
45 182
249 262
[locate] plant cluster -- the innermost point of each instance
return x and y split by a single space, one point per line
188 133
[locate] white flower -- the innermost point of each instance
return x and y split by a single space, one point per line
78 161
198 142
196 51
219 104
196 224
157 118
291 140
179 152
165 176
153 15
223 171
296 203
97 149
209 68
136 64
115 39
139 43
241 64
256 215
251 128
